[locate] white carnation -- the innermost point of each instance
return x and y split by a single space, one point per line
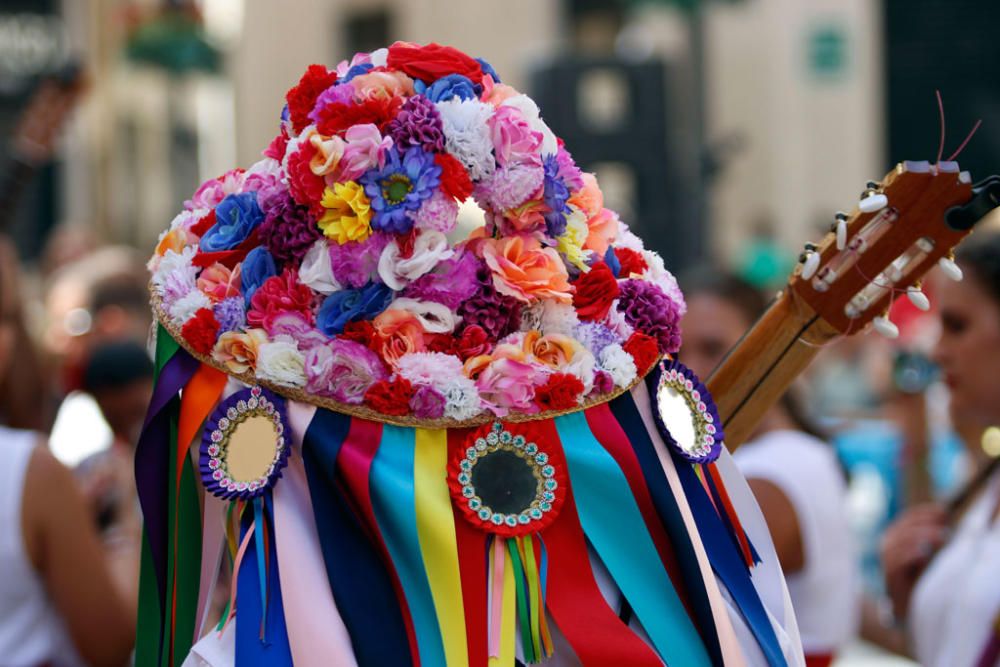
461 398
626 239
661 277
436 369
582 366
429 248
558 318
280 361
467 135
618 363
184 308
530 111
315 271
267 166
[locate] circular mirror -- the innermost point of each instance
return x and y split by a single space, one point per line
685 414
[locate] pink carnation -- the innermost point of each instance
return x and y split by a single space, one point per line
214 190
295 325
343 370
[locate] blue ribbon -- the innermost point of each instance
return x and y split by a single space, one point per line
717 499
392 487
614 525
358 578
256 604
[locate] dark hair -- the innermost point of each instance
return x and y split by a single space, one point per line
116 365
980 256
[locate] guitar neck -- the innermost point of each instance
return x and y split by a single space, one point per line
759 369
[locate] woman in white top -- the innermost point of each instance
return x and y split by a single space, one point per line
945 583
58 604
794 475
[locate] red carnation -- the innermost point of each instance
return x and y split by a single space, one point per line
433 61
390 398
455 179
360 331
595 290
560 392
305 187
337 118
644 350
278 295
302 98
277 147
631 262
441 343
206 223
473 342
201 331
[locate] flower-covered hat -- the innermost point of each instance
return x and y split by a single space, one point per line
332 271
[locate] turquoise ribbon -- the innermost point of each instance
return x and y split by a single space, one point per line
614 525
391 480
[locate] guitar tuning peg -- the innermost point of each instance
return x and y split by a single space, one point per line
885 327
950 268
918 298
810 264
841 232
873 202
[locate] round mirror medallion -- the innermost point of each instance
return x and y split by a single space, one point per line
505 484
685 414
244 448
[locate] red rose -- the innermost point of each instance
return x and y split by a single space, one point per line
560 392
455 179
305 187
473 342
631 262
433 61
278 295
390 398
644 350
338 118
360 331
441 343
201 331
595 290
302 98
206 223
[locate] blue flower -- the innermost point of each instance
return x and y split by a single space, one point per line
351 305
556 194
257 267
611 259
399 187
448 87
357 70
488 69
235 217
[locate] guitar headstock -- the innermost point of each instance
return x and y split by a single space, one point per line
901 227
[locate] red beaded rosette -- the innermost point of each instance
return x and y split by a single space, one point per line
335 269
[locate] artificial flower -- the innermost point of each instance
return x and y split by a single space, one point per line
355 264
601 230
618 363
349 305
294 325
594 293
288 230
632 263
509 187
432 61
218 282
603 383
397 270
214 190
174 276
595 336
530 113
507 385
342 370
364 148
390 397
525 270
429 368
302 98
658 274
438 213
570 243
399 187
514 142
461 398
280 294
348 213
497 314
433 317
473 342
427 403
647 308
448 87
305 187
455 181
237 351
560 391
400 333
359 331
230 314
280 361
184 308
255 270
382 84
418 124
235 217
451 282
553 350
644 349
316 271
201 331
617 322
467 137
556 196
337 118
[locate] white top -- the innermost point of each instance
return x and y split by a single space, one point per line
824 593
958 597
31 631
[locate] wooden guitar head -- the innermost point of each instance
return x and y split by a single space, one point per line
902 227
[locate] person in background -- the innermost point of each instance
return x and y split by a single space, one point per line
941 571
59 605
794 475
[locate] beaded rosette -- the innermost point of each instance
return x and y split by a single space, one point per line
686 414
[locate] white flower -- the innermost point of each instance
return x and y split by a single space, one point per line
184 308
529 110
280 361
467 135
616 321
461 398
531 317
379 57
558 318
186 219
626 239
619 363
429 248
434 317
657 273
265 167
315 271
582 366
436 369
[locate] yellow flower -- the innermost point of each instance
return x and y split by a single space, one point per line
570 244
349 214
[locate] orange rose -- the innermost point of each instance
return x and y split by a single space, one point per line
601 231
238 351
525 270
476 365
400 333
175 239
382 84
218 282
589 198
554 350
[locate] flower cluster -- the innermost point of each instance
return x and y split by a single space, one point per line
333 264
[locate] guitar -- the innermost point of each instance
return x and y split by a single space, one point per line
902 227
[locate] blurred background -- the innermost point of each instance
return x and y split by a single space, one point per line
725 132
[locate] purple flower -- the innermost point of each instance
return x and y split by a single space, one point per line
343 370
647 308
568 171
418 123
399 187
450 283
338 93
595 336
555 197
292 323
427 403
355 263
603 382
496 313
230 314
288 230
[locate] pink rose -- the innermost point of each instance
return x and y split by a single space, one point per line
365 149
513 139
525 270
507 385
218 282
292 323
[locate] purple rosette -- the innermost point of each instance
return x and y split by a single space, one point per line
674 382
